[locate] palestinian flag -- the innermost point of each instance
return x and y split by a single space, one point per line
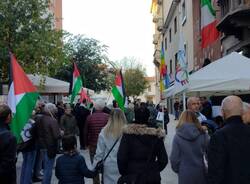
77 84
118 90
22 97
209 32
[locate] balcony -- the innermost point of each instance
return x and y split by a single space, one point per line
235 17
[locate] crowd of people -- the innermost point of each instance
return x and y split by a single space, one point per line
128 146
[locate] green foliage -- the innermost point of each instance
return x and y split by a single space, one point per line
26 28
91 59
134 76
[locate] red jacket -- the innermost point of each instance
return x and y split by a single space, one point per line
93 126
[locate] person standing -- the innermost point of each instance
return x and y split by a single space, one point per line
141 155
193 104
93 126
68 122
229 148
176 110
71 167
188 148
108 139
81 114
8 146
48 135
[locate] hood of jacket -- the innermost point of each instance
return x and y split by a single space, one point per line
143 129
188 131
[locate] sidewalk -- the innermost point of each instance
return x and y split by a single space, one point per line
167 175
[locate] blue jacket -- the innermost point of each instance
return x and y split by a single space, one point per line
71 169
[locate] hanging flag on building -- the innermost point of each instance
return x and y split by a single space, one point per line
209 32
22 97
76 84
164 77
181 73
154 7
118 90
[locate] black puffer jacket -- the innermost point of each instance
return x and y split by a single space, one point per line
7 155
138 143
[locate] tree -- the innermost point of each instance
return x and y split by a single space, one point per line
26 29
134 77
90 56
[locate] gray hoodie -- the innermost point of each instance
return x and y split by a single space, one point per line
187 154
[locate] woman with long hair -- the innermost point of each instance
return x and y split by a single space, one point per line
188 149
108 143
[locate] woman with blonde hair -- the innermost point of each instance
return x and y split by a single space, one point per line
108 144
188 148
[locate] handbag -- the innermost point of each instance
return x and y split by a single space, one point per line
100 164
137 178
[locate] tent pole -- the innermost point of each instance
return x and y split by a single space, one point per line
184 100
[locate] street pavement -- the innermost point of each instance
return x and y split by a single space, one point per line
167 175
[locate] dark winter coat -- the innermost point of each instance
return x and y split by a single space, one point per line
138 143
49 131
8 145
229 153
71 169
69 125
186 157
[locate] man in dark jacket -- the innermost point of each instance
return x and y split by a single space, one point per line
81 114
229 148
7 148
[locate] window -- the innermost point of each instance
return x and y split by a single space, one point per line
175 24
170 35
184 12
175 61
166 43
149 88
171 66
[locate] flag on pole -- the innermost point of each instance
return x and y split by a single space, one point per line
22 97
209 32
181 73
84 95
118 90
76 84
165 81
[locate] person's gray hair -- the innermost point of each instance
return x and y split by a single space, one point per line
246 106
50 108
99 104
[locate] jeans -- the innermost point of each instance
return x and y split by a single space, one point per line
176 114
38 163
48 167
27 167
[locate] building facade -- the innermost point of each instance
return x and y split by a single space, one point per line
235 26
56 9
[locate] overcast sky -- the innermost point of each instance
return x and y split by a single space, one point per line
124 25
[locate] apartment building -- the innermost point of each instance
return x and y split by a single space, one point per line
56 9
234 25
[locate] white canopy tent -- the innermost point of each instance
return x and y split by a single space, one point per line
52 85
228 75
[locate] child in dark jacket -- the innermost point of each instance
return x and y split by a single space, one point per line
71 167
